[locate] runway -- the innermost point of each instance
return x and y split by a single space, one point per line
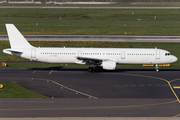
103 38
78 93
80 7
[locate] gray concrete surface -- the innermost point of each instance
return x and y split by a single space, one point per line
93 118
70 7
103 38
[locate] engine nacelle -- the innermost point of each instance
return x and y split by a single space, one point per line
109 65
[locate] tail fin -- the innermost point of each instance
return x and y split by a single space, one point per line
16 39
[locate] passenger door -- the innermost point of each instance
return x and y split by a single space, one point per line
157 54
33 53
79 53
123 55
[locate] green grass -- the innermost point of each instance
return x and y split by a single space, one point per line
59 66
13 90
92 21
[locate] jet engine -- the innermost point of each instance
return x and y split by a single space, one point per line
109 65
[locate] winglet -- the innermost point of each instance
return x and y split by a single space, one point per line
16 39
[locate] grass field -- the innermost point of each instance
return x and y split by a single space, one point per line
92 21
13 90
55 67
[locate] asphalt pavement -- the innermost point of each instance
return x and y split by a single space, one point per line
103 38
78 93
81 7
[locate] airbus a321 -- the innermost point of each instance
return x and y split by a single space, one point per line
107 58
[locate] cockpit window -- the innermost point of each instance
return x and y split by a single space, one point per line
167 54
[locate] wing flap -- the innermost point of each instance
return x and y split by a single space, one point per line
88 60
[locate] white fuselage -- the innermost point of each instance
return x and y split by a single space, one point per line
118 55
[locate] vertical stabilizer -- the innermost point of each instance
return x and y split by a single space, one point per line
16 39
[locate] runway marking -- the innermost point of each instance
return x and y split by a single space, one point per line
69 88
51 71
56 84
103 107
176 87
169 82
173 91
34 71
175 80
170 117
73 90
175 116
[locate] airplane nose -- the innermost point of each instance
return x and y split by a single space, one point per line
175 58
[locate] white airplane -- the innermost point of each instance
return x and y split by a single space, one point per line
107 58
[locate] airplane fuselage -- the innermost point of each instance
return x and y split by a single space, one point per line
119 55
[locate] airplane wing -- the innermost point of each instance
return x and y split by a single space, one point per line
105 63
87 60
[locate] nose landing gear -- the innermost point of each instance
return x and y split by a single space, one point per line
157 70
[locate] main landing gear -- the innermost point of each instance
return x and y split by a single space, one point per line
90 69
157 70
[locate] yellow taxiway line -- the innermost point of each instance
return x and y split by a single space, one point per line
176 87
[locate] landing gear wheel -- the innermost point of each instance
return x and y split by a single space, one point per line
157 70
90 69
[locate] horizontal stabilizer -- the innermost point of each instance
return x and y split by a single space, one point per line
11 50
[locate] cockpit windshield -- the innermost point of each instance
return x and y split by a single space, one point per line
167 54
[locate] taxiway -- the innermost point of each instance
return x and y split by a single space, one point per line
77 93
